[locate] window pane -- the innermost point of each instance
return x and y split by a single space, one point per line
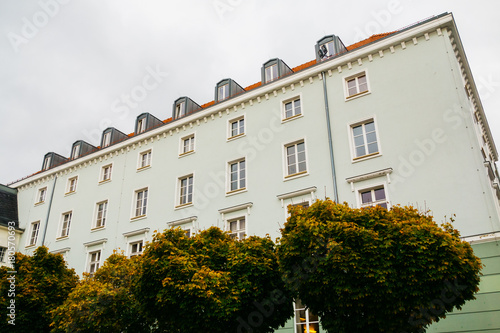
357 130
372 148
371 137
360 151
297 106
370 127
379 194
366 197
242 224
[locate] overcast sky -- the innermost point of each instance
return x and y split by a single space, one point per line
67 66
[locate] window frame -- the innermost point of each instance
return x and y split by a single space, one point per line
46 163
141 125
225 89
240 230
70 186
33 239
93 265
144 203
75 152
104 216
102 174
140 165
131 245
179 192
275 74
358 93
63 231
230 123
284 102
372 187
192 138
307 322
230 191
39 198
106 140
352 144
3 252
180 109
286 175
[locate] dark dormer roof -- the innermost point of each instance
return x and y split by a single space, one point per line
8 206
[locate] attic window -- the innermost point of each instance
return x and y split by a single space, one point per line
76 151
326 50
46 163
223 92
180 109
106 141
141 125
271 72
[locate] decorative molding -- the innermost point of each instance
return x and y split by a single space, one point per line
288 195
182 221
370 175
96 242
136 232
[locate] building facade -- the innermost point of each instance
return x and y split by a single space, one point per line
394 119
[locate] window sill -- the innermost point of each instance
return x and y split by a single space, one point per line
61 238
240 190
363 93
30 246
104 181
98 228
143 168
69 193
186 153
39 203
296 175
285 120
140 217
366 157
189 204
234 137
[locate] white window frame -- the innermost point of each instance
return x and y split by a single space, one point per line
273 73
144 200
371 187
142 166
224 88
239 189
41 195
131 246
191 145
358 93
46 163
103 173
65 225
307 322
180 109
33 235
362 123
106 140
237 232
239 134
141 125
179 192
93 265
3 251
330 47
286 175
71 186
99 222
284 102
75 152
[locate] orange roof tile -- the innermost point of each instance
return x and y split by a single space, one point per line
368 40
167 120
206 105
304 66
131 135
253 86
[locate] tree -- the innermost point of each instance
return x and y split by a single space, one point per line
375 270
103 302
212 283
32 288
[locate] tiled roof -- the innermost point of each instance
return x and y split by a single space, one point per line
368 40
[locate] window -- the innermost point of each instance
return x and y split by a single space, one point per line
187 144
106 172
271 72
136 248
144 159
65 224
295 159
3 250
94 261
106 141
180 109
236 127
75 152
187 231
42 193
237 176
46 163
373 197
186 190
356 85
141 125
327 50
305 321
101 212
237 228
304 204
364 139
141 202
222 92
71 186
35 227
291 109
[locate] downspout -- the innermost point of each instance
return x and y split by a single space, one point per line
48 210
330 142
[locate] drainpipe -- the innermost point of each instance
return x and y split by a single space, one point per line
330 143
48 210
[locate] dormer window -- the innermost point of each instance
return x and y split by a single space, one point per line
272 73
223 92
326 50
46 163
76 151
106 140
329 46
180 109
145 122
141 125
